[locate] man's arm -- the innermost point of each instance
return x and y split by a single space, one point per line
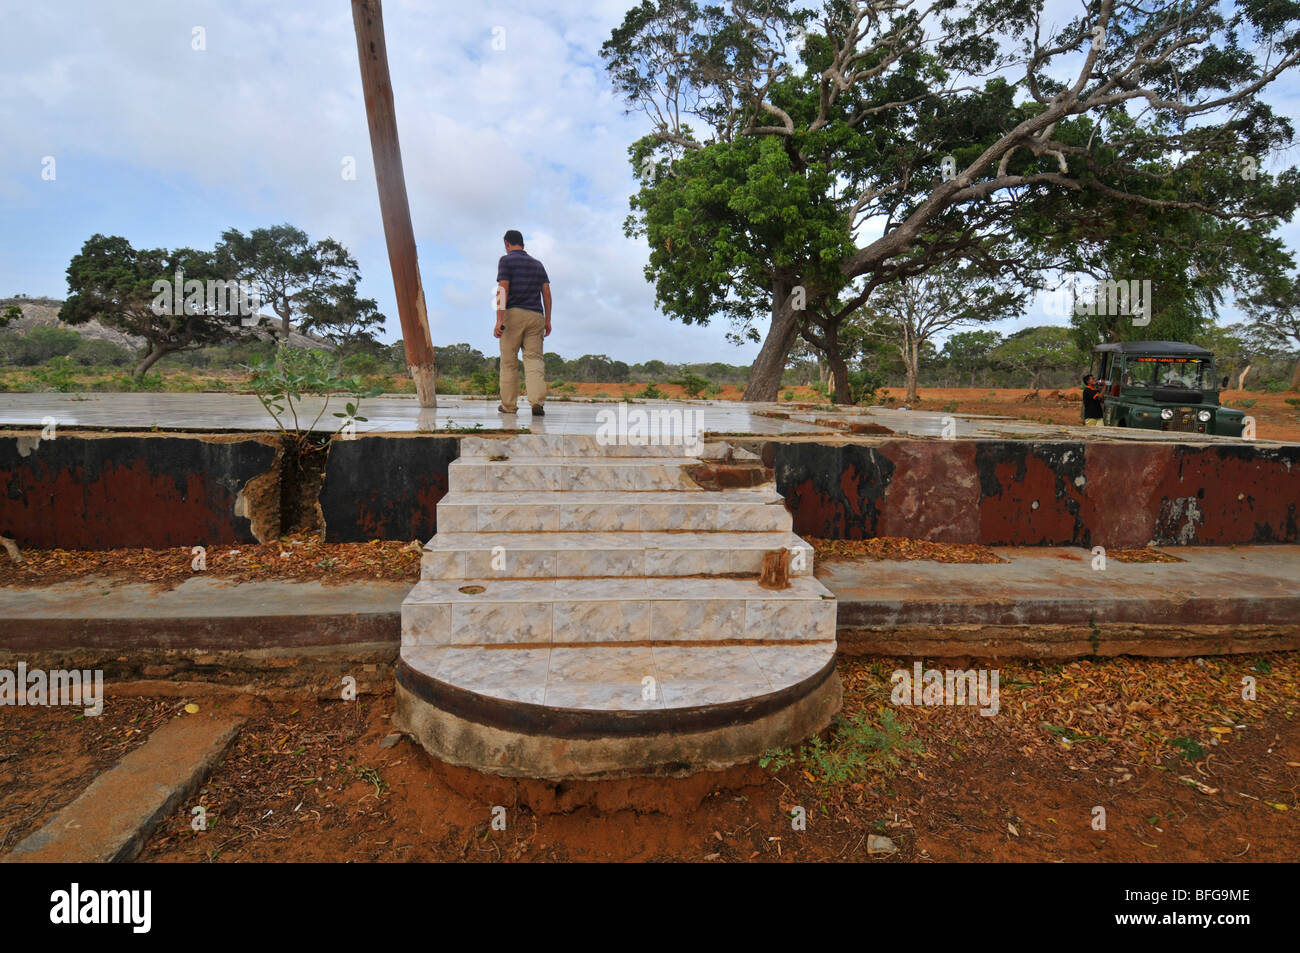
546 305
503 289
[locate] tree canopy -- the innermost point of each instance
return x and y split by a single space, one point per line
799 157
119 285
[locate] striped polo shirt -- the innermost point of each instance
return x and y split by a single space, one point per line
526 276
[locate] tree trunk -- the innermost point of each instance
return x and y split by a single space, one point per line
1295 376
284 323
395 209
840 377
149 360
912 359
765 376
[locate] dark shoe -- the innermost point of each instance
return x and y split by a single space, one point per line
538 411
502 410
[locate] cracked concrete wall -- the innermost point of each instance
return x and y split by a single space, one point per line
107 491
1018 493
385 486
113 491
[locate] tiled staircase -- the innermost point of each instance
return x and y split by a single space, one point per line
576 591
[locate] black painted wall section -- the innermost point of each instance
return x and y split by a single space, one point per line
114 492
385 487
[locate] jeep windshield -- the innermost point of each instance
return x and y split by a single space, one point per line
1186 373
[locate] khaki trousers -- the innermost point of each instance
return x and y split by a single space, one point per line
525 329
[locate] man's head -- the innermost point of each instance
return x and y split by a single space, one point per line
514 239
1089 379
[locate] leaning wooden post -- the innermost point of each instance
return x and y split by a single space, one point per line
368 20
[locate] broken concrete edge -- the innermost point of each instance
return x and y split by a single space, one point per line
1063 642
274 673
184 488
111 820
463 742
301 667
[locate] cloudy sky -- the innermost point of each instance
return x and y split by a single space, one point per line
168 145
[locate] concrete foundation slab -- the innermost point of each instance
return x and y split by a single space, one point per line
111 819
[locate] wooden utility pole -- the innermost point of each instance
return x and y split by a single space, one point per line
368 20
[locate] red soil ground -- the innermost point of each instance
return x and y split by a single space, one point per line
1185 769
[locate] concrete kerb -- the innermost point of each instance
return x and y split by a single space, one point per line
111 820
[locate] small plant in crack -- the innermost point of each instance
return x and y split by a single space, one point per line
279 384
281 381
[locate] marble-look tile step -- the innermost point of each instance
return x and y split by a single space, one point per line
590 554
612 677
755 510
617 444
543 612
536 474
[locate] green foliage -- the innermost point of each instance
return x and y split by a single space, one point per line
132 290
757 170
56 374
95 352
363 362
300 280
1031 352
483 382
651 393
338 315
10 314
460 360
280 383
693 384
1188 749
864 384
857 745
38 345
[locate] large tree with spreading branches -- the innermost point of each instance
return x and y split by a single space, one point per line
800 160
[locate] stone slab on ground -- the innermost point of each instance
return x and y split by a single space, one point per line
1251 592
1057 585
112 818
203 612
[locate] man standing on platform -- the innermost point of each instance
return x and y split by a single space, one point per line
523 301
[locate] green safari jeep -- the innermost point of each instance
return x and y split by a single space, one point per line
1162 385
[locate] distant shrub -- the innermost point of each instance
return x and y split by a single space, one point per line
693 384
651 393
38 345
364 363
863 386
482 382
93 352
58 373
447 385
